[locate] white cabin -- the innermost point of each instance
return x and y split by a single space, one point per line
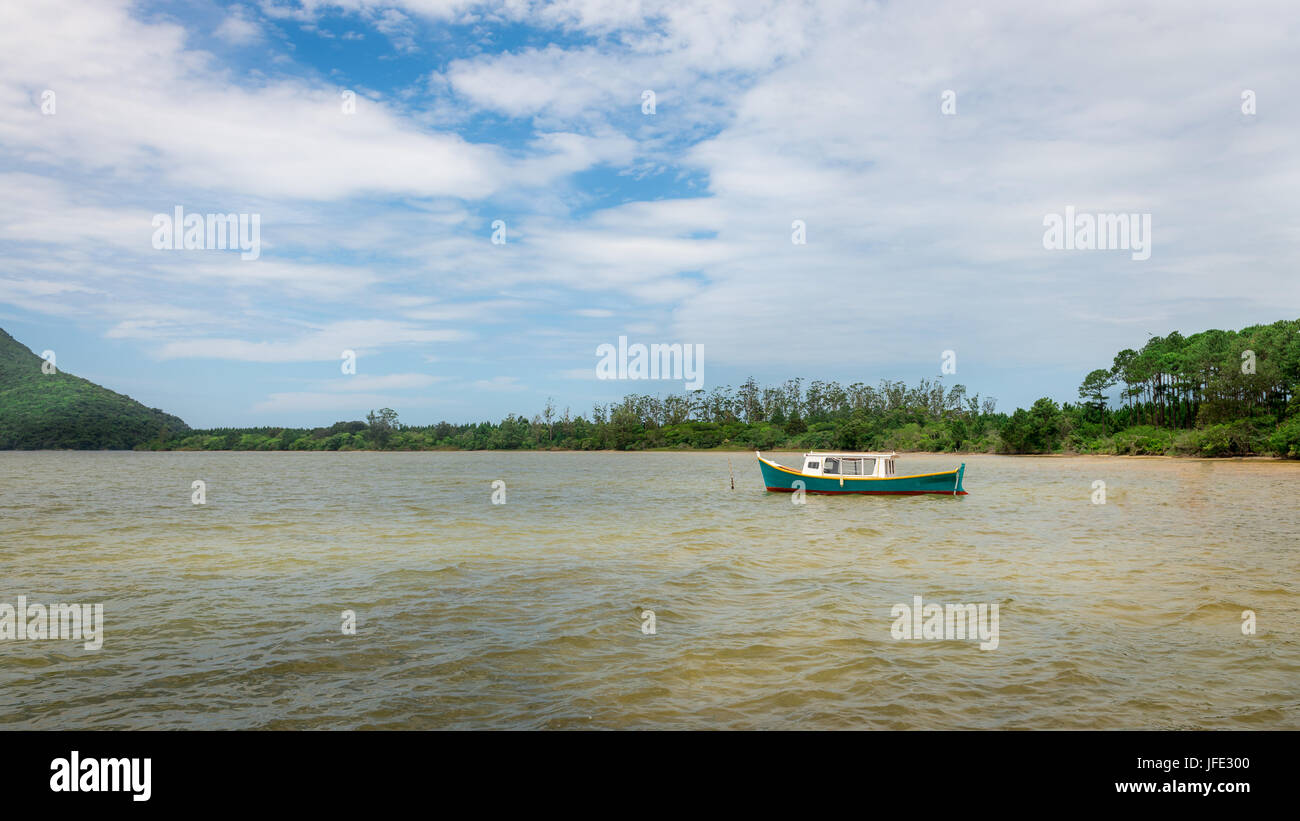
879 465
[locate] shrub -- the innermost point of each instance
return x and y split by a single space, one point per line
1143 440
1234 439
1285 441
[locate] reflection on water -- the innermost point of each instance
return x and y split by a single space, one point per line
528 614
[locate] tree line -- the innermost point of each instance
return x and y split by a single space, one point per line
1214 393
1210 377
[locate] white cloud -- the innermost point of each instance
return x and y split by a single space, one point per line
387 382
397 27
237 29
132 98
499 383
924 230
324 344
356 405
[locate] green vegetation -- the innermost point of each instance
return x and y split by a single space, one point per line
1216 393
58 410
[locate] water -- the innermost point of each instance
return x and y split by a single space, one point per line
529 614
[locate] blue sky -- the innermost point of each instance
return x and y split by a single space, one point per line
924 228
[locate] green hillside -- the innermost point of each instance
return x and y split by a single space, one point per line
59 410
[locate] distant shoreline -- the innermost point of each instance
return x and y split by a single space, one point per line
1175 456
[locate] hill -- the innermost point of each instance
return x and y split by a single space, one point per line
59 410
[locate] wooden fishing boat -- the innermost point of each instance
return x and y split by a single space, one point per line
856 473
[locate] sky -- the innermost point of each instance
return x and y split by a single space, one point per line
917 148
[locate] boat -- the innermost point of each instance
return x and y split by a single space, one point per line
848 472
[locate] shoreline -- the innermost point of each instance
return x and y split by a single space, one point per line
1248 458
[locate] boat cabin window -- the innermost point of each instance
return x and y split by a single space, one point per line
846 465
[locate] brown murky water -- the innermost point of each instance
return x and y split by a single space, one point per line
528 614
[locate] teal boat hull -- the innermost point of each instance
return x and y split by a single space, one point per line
781 479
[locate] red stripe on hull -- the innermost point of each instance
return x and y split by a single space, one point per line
871 492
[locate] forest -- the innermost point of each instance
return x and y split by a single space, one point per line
1213 393
41 407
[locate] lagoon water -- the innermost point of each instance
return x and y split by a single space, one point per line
528 614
